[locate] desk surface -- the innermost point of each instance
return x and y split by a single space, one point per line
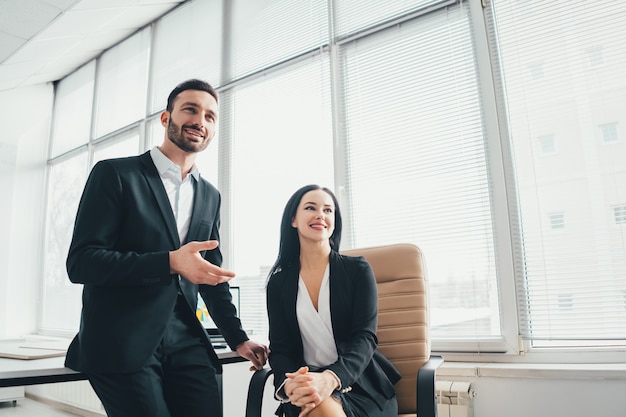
17 372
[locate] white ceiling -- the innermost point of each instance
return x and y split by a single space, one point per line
44 40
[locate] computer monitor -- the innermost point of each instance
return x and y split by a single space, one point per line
205 318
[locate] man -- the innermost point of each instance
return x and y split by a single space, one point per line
145 243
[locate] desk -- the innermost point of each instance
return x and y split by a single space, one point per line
18 372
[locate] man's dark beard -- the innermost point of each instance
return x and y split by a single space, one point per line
175 134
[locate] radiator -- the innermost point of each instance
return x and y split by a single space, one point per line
455 399
78 394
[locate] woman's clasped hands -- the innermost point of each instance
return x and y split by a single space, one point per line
307 389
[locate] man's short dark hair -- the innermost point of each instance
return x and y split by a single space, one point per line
192 84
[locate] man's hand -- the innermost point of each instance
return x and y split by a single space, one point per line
187 262
254 352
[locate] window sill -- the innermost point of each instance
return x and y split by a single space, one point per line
606 371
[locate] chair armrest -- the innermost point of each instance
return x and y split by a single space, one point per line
254 402
426 394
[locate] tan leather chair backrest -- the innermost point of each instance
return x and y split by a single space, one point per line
402 313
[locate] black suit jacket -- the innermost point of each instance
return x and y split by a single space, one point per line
123 234
354 312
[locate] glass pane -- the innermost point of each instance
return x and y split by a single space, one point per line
122 84
72 110
194 52
62 299
280 142
417 162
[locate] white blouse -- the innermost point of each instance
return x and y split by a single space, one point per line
316 327
316 331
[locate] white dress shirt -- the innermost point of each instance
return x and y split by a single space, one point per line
180 192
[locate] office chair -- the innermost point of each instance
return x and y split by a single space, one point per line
403 330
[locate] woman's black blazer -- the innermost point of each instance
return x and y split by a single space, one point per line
354 310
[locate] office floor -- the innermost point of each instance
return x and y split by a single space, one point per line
28 407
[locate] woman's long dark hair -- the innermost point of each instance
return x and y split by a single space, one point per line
289 246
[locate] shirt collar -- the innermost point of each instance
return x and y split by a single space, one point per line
163 164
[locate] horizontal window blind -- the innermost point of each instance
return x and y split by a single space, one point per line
122 84
563 70
265 33
72 110
354 16
417 165
281 139
187 44
61 301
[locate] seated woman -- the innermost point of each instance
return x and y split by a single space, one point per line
322 309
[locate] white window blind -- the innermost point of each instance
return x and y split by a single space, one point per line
570 284
126 144
417 165
187 44
122 84
281 140
620 214
73 105
61 301
267 32
352 16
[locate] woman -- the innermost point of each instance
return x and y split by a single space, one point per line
322 309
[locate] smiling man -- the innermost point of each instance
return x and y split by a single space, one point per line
145 244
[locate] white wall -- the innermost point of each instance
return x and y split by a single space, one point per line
538 397
24 126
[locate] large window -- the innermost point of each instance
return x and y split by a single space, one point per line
417 162
570 247
490 134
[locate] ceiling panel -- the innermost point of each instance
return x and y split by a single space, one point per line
8 45
25 18
45 40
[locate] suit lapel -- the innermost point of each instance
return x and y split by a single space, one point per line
155 183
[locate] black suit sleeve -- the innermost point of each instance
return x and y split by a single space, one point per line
112 219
